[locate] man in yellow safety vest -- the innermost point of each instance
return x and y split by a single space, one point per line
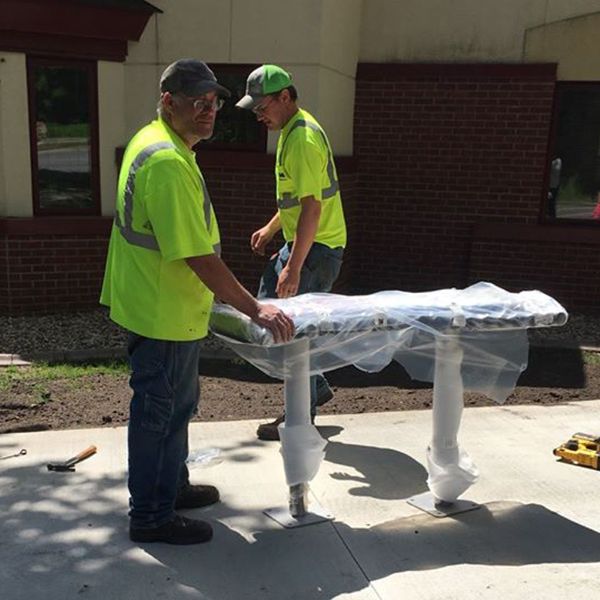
309 206
162 272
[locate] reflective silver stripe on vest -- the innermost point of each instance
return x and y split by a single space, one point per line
207 203
289 201
135 238
146 240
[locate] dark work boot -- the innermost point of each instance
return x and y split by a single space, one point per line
179 531
269 432
196 496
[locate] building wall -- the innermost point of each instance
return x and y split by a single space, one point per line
51 265
316 40
15 154
447 175
564 265
244 201
462 30
440 149
111 94
573 44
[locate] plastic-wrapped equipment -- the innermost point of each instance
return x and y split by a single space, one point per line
371 331
473 339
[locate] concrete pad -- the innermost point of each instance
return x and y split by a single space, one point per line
536 535
15 360
64 535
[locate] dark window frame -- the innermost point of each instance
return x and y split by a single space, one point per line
260 146
91 67
544 217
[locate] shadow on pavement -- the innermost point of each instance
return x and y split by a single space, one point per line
499 533
62 536
384 473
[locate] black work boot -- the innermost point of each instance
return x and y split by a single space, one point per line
269 432
180 531
196 496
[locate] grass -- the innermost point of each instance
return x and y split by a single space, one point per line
79 130
42 373
591 358
570 192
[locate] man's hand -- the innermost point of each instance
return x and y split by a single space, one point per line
215 274
260 238
276 321
288 282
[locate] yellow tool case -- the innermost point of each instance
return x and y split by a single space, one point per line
582 449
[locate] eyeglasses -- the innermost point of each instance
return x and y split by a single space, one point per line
260 109
205 105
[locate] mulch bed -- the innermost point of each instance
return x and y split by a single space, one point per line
233 391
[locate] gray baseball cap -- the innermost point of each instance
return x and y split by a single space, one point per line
268 79
190 77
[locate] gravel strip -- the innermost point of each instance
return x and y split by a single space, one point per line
88 334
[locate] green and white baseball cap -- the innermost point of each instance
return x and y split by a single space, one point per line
268 79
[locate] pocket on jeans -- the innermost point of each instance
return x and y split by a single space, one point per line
158 399
158 411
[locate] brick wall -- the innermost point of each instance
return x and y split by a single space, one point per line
244 200
48 268
562 261
549 266
4 290
445 189
441 147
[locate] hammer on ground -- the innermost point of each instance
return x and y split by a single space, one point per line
69 465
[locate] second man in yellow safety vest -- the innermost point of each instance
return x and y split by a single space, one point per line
309 205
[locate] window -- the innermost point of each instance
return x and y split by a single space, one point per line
235 129
64 138
573 190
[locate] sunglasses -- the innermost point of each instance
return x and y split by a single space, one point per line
203 104
260 109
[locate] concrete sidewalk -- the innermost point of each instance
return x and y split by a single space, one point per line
64 535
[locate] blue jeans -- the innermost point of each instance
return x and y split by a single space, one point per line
166 388
319 272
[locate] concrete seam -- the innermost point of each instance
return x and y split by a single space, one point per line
371 586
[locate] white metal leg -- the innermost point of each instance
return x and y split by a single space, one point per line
451 472
301 445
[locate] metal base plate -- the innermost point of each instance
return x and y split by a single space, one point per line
426 502
315 514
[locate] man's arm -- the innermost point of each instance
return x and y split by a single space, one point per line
308 223
222 282
261 237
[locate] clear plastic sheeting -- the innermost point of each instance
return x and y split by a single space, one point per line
450 477
204 457
371 331
302 449
472 339
450 469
